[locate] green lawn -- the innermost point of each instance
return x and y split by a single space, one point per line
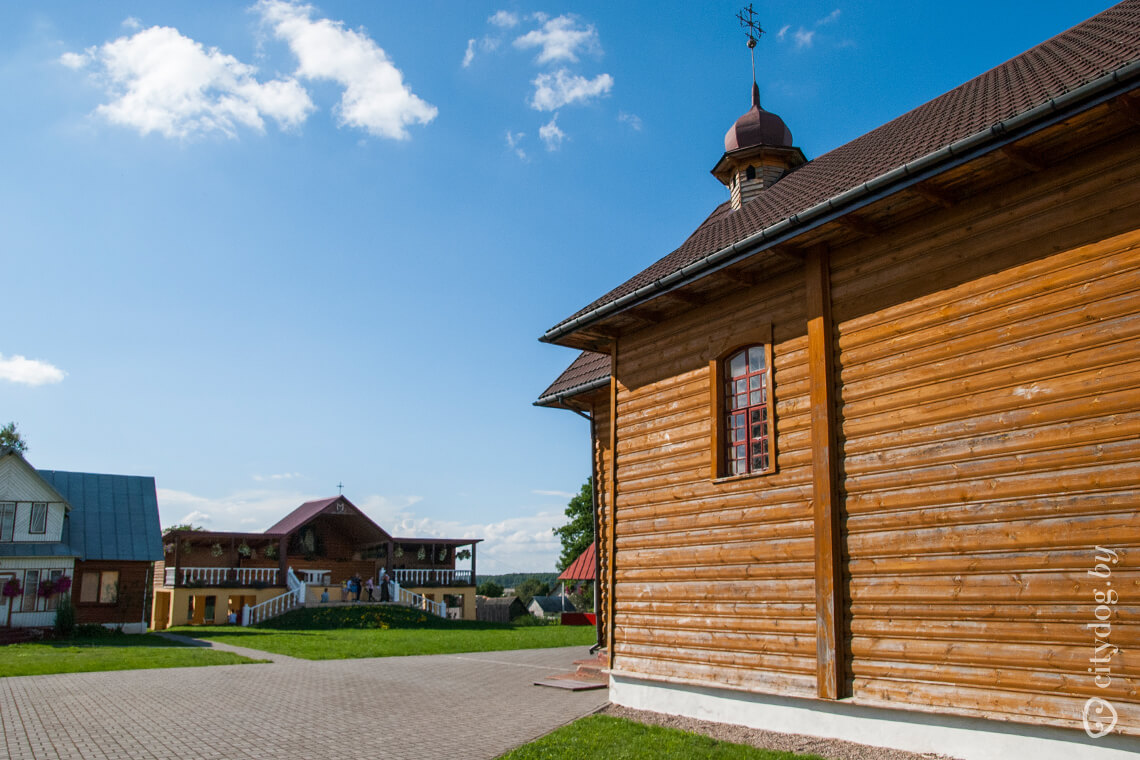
122 652
620 739
385 631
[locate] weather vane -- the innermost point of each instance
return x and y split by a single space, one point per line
748 21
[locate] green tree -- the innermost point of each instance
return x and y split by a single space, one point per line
489 588
10 437
181 526
529 589
578 533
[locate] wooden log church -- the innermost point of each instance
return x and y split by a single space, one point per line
867 444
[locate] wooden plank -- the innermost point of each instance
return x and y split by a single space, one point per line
612 552
829 596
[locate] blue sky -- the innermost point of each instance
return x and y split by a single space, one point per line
257 250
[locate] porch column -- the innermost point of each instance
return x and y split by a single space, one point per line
177 560
473 583
282 560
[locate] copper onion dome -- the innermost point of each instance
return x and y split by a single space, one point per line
757 127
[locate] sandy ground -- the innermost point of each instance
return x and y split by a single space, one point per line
833 749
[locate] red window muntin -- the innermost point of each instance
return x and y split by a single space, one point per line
746 412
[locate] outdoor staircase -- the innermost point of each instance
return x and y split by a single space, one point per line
589 674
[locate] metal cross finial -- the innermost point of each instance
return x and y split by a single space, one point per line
340 487
748 21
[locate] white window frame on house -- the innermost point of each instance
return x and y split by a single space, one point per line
31 590
7 521
37 521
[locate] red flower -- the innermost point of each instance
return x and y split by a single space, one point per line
62 584
12 588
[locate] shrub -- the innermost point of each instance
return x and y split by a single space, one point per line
96 631
65 618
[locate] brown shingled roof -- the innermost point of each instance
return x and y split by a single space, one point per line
589 370
1096 47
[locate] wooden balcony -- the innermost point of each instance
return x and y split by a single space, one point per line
433 577
222 576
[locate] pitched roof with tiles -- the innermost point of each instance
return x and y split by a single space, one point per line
301 515
112 517
583 566
590 370
1100 46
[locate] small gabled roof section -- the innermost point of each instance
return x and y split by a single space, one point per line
590 371
113 517
7 452
553 604
362 525
583 566
1061 75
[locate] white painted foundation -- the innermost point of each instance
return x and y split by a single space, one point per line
966 738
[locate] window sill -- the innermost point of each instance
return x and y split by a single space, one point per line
746 476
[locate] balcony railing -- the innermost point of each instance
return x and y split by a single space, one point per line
428 577
222 576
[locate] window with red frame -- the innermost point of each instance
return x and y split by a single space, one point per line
747 412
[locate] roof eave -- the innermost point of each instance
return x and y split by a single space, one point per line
966 149
559 399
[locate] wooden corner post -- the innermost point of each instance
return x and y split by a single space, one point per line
830 645
611 549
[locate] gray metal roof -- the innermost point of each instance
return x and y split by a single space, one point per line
554 604
113 517
27 549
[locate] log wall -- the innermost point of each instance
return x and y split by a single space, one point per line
991 445
987 364
714 577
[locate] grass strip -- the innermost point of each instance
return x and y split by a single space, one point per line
335 633
124 652
621 739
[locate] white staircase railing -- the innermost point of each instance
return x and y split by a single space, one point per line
412 599
270 608
278 605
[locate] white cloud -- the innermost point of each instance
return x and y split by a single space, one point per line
259 508
77 61
132 23
551 134
161 81
469 55
563 494
783 31
803 38
277 476
829 18
514 143
552 91
20 369
505 19
375 96
633 120
560 39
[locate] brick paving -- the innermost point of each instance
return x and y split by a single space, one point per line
475 705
